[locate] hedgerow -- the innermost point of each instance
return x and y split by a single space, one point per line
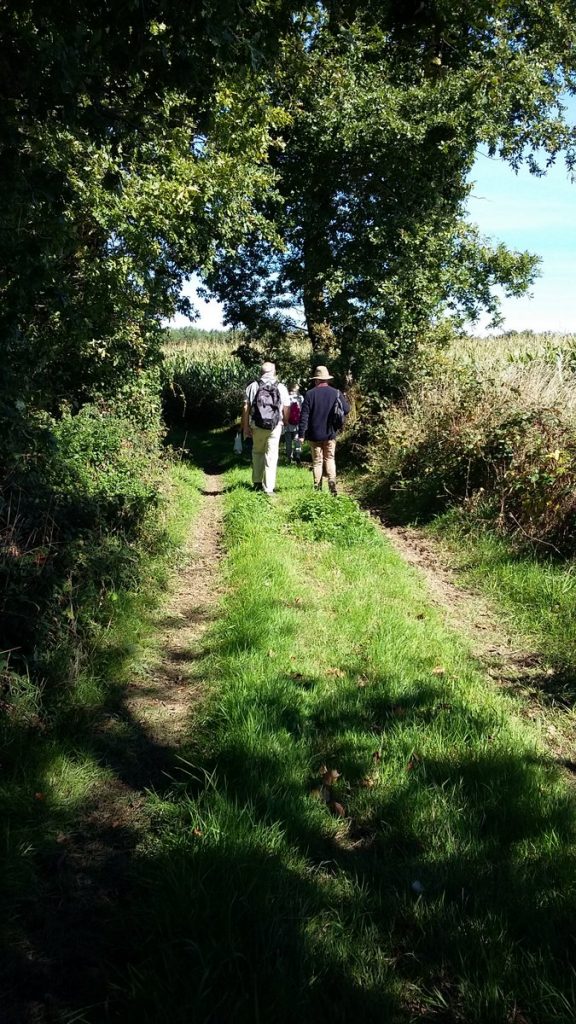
78 516
496 437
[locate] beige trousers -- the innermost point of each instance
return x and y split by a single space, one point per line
265 456
323 454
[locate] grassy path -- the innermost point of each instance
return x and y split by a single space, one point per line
73 783
360 824
523 640
164 697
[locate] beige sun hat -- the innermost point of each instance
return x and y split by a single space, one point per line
321 373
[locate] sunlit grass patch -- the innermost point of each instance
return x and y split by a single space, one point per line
362 825
319 516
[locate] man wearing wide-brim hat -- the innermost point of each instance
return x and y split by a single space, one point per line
317 427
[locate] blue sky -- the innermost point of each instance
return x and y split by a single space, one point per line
537 214
524 212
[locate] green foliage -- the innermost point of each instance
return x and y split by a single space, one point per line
321 517
499 438
388 105
204 388
135 140
76 521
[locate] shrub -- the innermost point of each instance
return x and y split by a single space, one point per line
76 513
497 437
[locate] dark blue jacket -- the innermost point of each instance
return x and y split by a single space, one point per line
316 408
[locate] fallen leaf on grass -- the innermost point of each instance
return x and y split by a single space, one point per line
377 756
368 783
39 796
329 775
335 672
438 671
337 809
196 832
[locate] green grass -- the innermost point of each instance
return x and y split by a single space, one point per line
535 594
57 761
446 892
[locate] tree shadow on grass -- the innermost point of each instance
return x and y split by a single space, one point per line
68 861
249 901
266 907
210 452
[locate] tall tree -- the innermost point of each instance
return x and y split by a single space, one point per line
388 105
133 138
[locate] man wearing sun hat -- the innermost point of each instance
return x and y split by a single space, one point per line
315 425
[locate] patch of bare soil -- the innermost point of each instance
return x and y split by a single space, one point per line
500 653
60 959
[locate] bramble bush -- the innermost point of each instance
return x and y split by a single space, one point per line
78 514
495 436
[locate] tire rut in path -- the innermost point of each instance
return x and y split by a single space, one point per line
163 701
499 652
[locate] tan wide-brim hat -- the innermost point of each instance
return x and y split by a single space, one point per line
321 373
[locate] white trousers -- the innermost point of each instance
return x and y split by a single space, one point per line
265 456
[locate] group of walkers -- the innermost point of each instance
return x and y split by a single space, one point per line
269 409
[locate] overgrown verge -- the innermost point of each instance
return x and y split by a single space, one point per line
534 596
492 429
91 522
79 516
360 824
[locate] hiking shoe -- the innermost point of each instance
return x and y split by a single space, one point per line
332 488
317 487
257 487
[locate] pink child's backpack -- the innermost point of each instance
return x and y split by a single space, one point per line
294 414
